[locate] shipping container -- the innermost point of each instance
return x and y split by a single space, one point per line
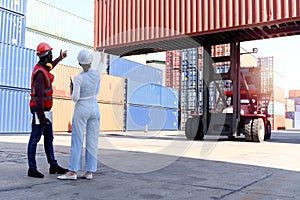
17 6
289 123
143 93
63 109
279 122
279 108
290 105
297 108
16 65
112 117
169 97
278 94
161 65
294 94
247 60
54 21
134 71
141 118
135 26
112 89
15 116
12 28
296 123
33 38
61 83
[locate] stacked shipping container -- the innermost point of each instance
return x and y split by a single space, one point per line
16 63
293 107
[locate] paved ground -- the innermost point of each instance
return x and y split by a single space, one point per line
163 166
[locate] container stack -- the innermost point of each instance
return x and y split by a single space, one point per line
293 107
191 84
16 64
272 81
148 104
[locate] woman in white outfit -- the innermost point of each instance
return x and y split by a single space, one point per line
86 118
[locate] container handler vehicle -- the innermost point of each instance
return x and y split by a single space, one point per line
239 109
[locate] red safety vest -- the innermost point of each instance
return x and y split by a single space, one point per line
48 87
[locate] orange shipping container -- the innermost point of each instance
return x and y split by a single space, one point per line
112 89
61 84
111 117
62 114
150 25
294 93
288 123
279 122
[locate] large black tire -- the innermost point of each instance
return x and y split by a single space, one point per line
194 129
248 130
268 131
258 130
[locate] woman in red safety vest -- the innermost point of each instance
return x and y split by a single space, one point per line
40 106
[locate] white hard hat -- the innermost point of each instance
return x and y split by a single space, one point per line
85 57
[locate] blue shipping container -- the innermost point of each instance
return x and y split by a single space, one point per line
143 93
134 71
15 116
16 65
151 94
140 118
32 39
18 6
169 97
12 28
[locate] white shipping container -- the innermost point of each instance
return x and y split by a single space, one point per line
54 21
32 39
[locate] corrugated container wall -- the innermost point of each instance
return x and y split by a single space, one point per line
16 64
119 23
112 117
62 109
15 116
12 28
17 6
61 83
112 89
54 21
134 71
294 93
143 93
150 118
279 122
33 38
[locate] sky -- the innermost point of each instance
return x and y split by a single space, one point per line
284 49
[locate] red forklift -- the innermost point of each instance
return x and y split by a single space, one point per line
239 109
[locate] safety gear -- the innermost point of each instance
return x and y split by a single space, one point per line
49 66
85 57
63 54
43 49
48 88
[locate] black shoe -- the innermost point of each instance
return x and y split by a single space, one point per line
35 173
56 169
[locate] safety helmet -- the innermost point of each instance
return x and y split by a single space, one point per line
85 57
43 49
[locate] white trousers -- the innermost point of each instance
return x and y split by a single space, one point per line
86 117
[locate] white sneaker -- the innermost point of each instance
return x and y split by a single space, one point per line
68 176
87 176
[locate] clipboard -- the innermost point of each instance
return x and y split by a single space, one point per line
48 115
